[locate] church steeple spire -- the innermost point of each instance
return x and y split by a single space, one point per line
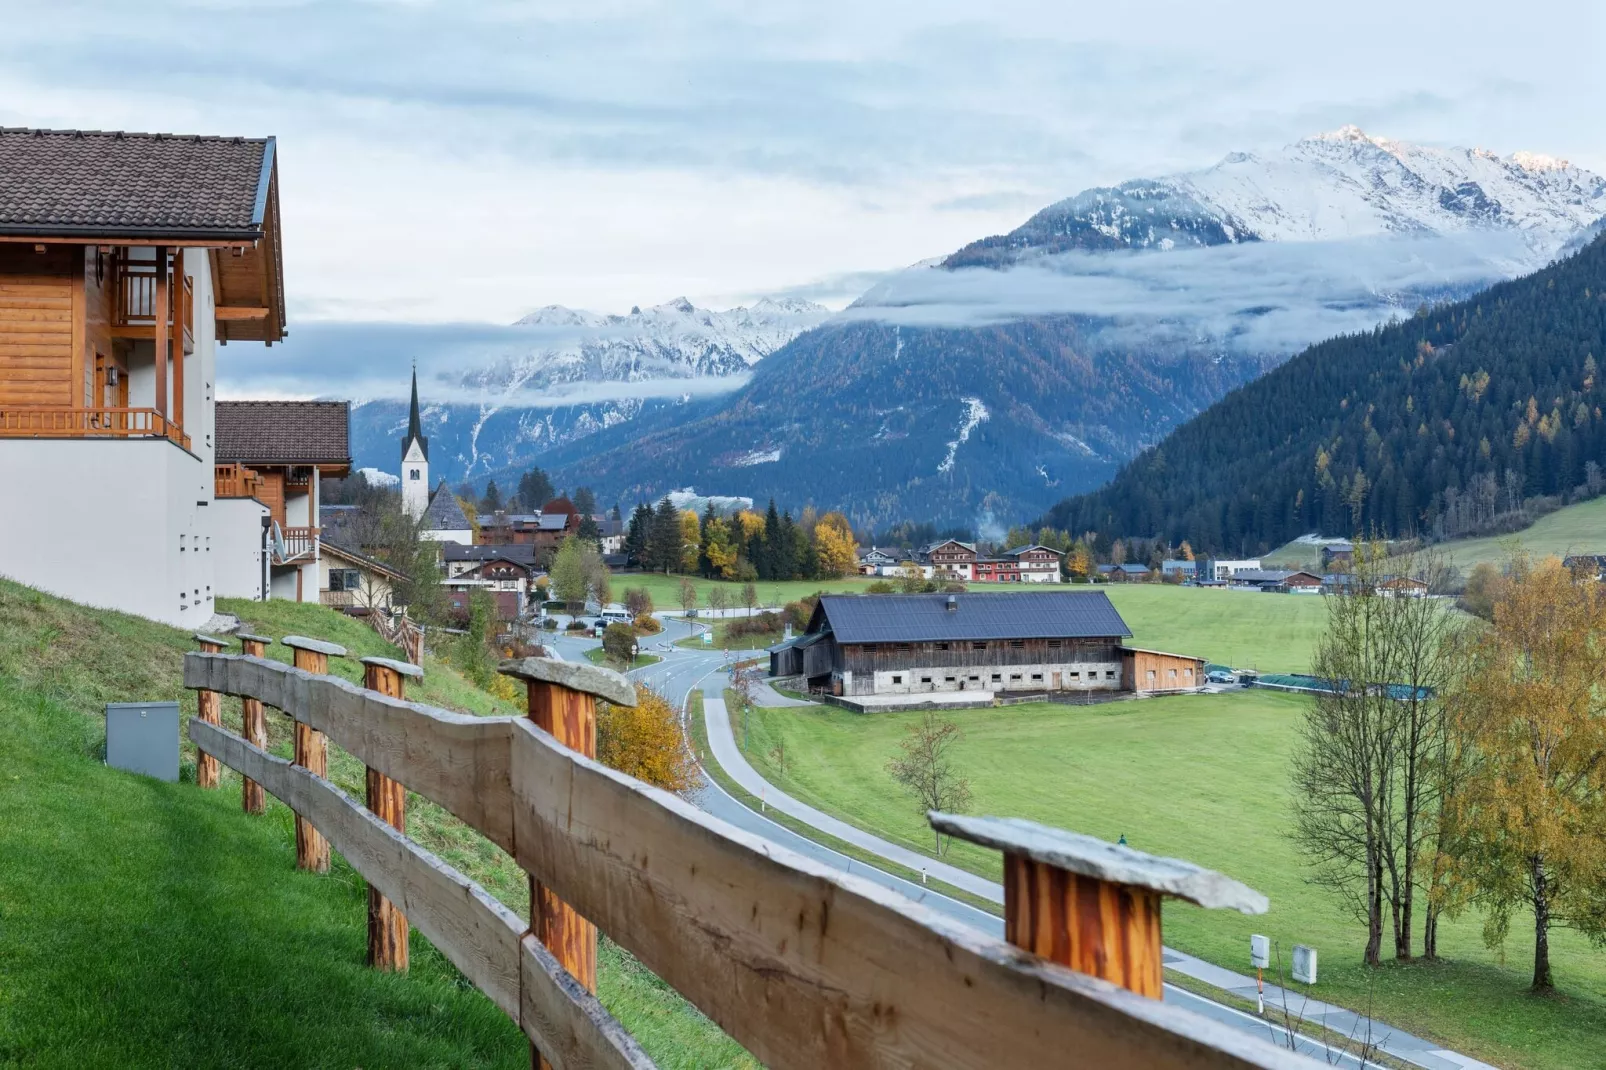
415 460
415 425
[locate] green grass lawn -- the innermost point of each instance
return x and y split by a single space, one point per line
723 640
1205 778
151 924
1244 629
597 656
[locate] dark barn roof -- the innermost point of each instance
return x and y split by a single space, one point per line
60 183
915 618
284 432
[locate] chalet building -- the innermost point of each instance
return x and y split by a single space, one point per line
989 643
950 560
125 260
272 457
877 562
1034 563
996 570
1337 556
508 582
1131 573
1282 581
353 582
459 559
509 529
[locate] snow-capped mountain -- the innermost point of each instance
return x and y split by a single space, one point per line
568 374
1031 365
1338 186
675 340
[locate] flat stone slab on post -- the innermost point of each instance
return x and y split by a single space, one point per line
317 646
247 637
1091 857
211 640
587 679
404 668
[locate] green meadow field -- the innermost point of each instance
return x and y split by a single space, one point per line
1205 778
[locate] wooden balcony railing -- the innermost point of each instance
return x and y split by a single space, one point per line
295 543
804 966
134 302
338 599
65 422
236 481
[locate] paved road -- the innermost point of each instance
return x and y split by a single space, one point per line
684 670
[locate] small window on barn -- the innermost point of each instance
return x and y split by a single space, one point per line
1076 674
925 679
996 678
1173 674
1014 676
1037 677
1017 644
897 679
975 679
947 679
978 646
868 648
1187 672
942 646
1109 674
1053 644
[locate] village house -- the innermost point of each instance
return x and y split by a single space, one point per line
877 562
125 260
459 559
988 642
275 454
354 582
1337 556
1034 563
1127 573
508 582
949 559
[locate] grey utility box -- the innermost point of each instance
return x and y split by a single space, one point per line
142 737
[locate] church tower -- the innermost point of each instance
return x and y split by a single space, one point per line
415 461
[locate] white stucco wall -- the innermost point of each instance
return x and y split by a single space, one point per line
458 535
120 524
1074 676
237 547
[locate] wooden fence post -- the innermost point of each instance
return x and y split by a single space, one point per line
387 798
311 749
254 724
562 700
1091 905
209 707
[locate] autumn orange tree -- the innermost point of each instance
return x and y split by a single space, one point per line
646 741
1528 816
834 546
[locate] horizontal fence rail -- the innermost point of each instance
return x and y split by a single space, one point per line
801 964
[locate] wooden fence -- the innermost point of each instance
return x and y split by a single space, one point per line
803 965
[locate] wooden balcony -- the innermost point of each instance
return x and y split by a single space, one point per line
237 481
134 303
338 599
295 544
66 422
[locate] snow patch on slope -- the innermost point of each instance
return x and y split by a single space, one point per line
975 413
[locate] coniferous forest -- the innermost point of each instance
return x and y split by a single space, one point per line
1437 426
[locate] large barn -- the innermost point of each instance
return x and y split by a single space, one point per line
1031 641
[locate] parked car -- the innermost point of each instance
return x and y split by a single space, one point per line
1221 676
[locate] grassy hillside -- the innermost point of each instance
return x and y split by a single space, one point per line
1201 777
151 924
1577 529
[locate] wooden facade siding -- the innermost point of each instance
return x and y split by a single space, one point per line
38 326
995 653
1172 672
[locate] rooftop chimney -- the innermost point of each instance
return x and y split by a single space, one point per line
953 603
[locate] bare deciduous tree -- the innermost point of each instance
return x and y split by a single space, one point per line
926 770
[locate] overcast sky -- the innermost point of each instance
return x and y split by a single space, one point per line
461 162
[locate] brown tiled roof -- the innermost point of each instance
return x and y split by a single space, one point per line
284 432
64 183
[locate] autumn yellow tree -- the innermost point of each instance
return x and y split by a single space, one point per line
646 741
1079 562
691 539
835 547
1528 816
721 551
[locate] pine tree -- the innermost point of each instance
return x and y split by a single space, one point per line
638 534
663 542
